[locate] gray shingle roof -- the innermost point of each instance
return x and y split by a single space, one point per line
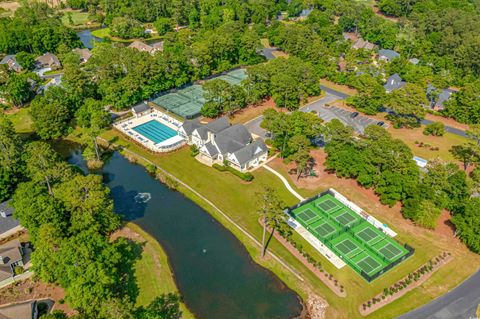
212 150
251 151
218 125
47 60
7 223
394 82
12 63
10 253
21 310
191 125
388 54
233 138
442 97
139 108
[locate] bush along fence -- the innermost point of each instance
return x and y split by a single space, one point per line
247 177
401 287
314 265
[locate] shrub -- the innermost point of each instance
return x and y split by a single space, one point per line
435 129
194 151
248 177
151 169
18 270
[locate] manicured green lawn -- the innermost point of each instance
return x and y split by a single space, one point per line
237 200
105 33
153 273
22 120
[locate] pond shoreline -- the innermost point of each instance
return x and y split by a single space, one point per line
279 290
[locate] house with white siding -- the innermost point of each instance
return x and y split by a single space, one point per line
218 141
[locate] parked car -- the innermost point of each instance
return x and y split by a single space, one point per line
380 123
354 115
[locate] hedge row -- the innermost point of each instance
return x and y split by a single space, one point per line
248 177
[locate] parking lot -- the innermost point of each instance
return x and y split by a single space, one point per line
353 119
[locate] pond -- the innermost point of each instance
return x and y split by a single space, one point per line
87 38
216 276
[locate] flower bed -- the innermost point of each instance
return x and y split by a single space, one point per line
406 284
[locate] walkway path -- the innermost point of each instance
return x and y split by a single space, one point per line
284 180
224 215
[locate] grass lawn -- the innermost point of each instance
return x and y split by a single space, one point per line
152 272
78 17
241 206
444 143
22 120
104 33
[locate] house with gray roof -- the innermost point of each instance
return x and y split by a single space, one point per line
363 44
394 82
83 54
141 109
437 98
20 310
387 55
11 256
8 224
11 62
48 60
218 141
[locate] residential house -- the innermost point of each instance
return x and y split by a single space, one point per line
438 98
362 44
387 55
141 109
11 62
48 60
8 224
84 54
21 310
11 256
143 47
394 82
218 141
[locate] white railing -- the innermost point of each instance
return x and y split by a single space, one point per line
372 220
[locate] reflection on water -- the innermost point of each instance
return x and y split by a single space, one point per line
87 38
215 274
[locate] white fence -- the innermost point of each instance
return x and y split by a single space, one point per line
372 220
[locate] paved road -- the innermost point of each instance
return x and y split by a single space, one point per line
449 129
254 125
460 303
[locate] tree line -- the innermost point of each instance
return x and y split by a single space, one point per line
69 217
378 161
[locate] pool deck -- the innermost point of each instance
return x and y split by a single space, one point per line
127 127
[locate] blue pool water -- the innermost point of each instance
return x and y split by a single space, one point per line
155 131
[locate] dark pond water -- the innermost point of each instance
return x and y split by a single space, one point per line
87 38
214 273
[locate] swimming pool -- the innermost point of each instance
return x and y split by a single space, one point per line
155 131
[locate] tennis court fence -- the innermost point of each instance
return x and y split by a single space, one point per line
369 278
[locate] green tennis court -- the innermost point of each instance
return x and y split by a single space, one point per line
188 102
369 265
348 247
323 228
369 235
345 218
306 215
366 249
389 250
